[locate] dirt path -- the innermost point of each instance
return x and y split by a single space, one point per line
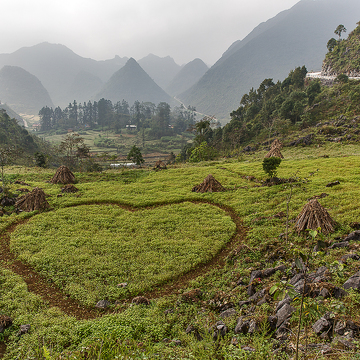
55 297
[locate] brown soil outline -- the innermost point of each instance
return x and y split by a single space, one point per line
54 297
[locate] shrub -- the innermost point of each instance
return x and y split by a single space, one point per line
270 165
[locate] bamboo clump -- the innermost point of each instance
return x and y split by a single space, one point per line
314 216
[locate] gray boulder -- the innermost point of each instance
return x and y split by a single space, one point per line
353 282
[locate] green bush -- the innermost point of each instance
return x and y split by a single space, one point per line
270 165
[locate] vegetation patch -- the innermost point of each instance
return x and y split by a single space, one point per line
88 250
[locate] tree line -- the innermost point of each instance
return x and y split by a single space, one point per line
159 119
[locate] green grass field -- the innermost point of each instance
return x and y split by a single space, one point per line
148 228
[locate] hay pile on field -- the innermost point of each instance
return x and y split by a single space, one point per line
275 150
313 216
160 165
63 175
35 200
276 144
210 184
69 188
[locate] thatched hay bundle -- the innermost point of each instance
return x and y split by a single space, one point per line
160 165
274 152
63 175
313 216
35 200
276 144
69 188
210 184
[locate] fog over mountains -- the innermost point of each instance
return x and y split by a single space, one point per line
294 37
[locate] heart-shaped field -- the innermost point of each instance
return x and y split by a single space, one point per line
89 250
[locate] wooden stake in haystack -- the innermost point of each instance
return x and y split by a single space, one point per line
35 200
210 184
313 216
63 175
275 150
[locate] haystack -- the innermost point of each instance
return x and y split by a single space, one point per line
160 165
274 152
276 144
35 200
63 175
313 216
210 184
69 188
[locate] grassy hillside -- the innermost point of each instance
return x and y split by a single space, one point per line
297 38
171 227
344 57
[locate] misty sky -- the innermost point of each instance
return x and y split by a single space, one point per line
183 29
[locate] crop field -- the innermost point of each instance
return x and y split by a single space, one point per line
148 230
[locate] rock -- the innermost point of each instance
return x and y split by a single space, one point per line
251 290
253 328
272 320
256 274
320 326
191 329
248 348
354 236
304 141
258 295
347 344
340 327
242 326
331 184
344 258
339 245
102 304
140 300
220 330
123 285
282 332
228 313
5 322
176 342
243 303
281 303
353 282
169 311
338 293
24 329
284 314
325 293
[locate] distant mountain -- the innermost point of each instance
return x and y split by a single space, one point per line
84 86
57 67
132 83
294 37
22 91
161 70
187 77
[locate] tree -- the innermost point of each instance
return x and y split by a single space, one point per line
340 29
331 44
135 155
270 165
73 147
